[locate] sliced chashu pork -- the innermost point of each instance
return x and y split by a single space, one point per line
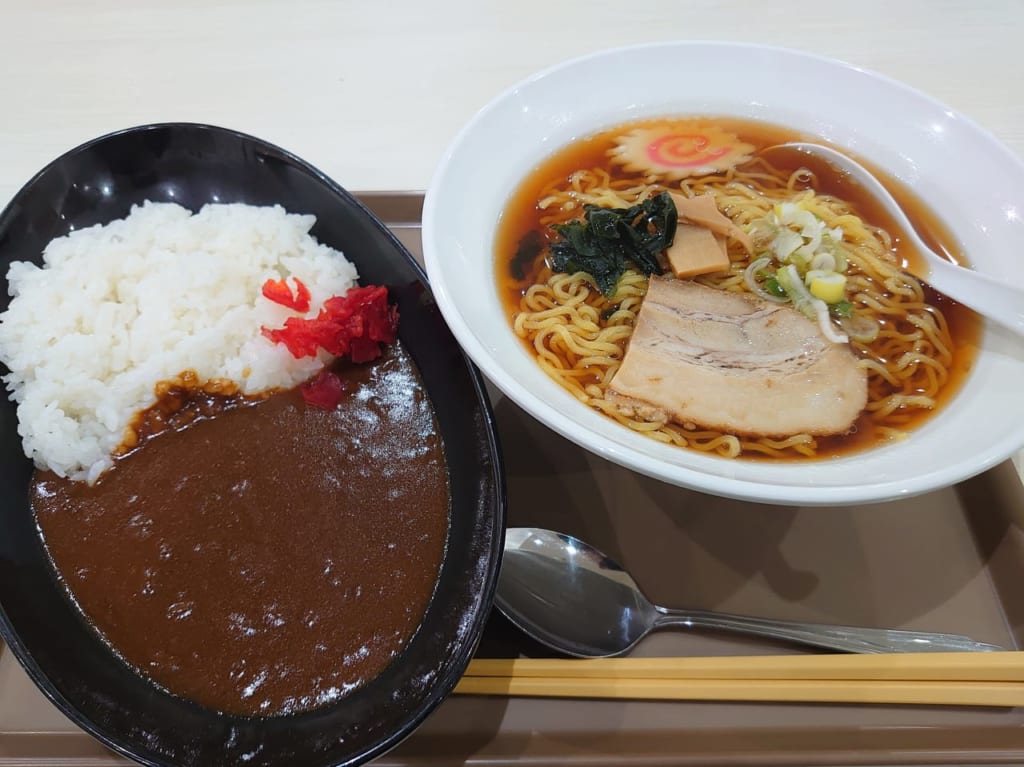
735 363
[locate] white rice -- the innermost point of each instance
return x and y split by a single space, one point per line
117 308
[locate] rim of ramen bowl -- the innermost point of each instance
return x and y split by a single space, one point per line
486 490
548 110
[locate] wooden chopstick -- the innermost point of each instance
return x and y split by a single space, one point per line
947 667
955 693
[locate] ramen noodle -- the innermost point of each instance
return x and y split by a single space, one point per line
917 355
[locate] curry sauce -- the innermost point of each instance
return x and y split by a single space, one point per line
272 558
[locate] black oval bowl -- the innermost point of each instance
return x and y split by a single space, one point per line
193 165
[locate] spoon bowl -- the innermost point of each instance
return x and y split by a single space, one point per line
569 596
989 297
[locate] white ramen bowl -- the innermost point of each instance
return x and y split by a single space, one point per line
973 183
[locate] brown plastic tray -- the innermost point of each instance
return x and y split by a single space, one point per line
952 560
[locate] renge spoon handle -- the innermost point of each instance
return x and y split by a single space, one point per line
999 300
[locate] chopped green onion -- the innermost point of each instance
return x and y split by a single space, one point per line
771 285
813 308
750 275
861 329
841 309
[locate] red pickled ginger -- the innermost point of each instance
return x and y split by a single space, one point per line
353 325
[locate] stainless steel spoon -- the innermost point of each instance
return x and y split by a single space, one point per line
988 296
571 597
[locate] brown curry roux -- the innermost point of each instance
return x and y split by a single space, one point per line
272 558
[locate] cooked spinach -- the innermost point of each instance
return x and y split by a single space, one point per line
607 238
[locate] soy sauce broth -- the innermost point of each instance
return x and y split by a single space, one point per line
521 219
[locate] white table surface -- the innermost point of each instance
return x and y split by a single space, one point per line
371 91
